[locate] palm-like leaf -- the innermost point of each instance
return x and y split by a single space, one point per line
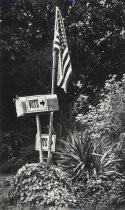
79 158
76 155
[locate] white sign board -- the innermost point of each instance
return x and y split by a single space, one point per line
45 142
36 103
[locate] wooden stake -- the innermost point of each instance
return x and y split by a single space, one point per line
39 138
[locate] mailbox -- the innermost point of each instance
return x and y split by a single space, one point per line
36 104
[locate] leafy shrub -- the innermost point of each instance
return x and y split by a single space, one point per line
109 192
106 124
105 162
106 120
121 154
37 185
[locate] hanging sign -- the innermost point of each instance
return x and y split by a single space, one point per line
45 142
36 103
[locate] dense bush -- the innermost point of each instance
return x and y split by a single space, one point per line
109 191
37 185
26 155
106 121
16 149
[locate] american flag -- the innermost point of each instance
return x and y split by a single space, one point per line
60 45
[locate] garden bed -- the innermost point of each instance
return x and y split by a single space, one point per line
36 186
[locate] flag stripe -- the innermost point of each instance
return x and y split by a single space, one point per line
64 52
65 59
66 70
60 44
67 78
57 44
66 64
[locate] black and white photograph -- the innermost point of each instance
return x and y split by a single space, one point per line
62 104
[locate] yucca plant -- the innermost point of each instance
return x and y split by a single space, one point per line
75 155
105 164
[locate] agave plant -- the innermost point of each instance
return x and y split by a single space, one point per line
75 155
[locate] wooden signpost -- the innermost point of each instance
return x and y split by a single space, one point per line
36 104
39 138
39 104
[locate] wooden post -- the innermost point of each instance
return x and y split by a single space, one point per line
50 138
39 138
52 92
51 114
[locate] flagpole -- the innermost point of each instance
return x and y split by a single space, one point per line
52 92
